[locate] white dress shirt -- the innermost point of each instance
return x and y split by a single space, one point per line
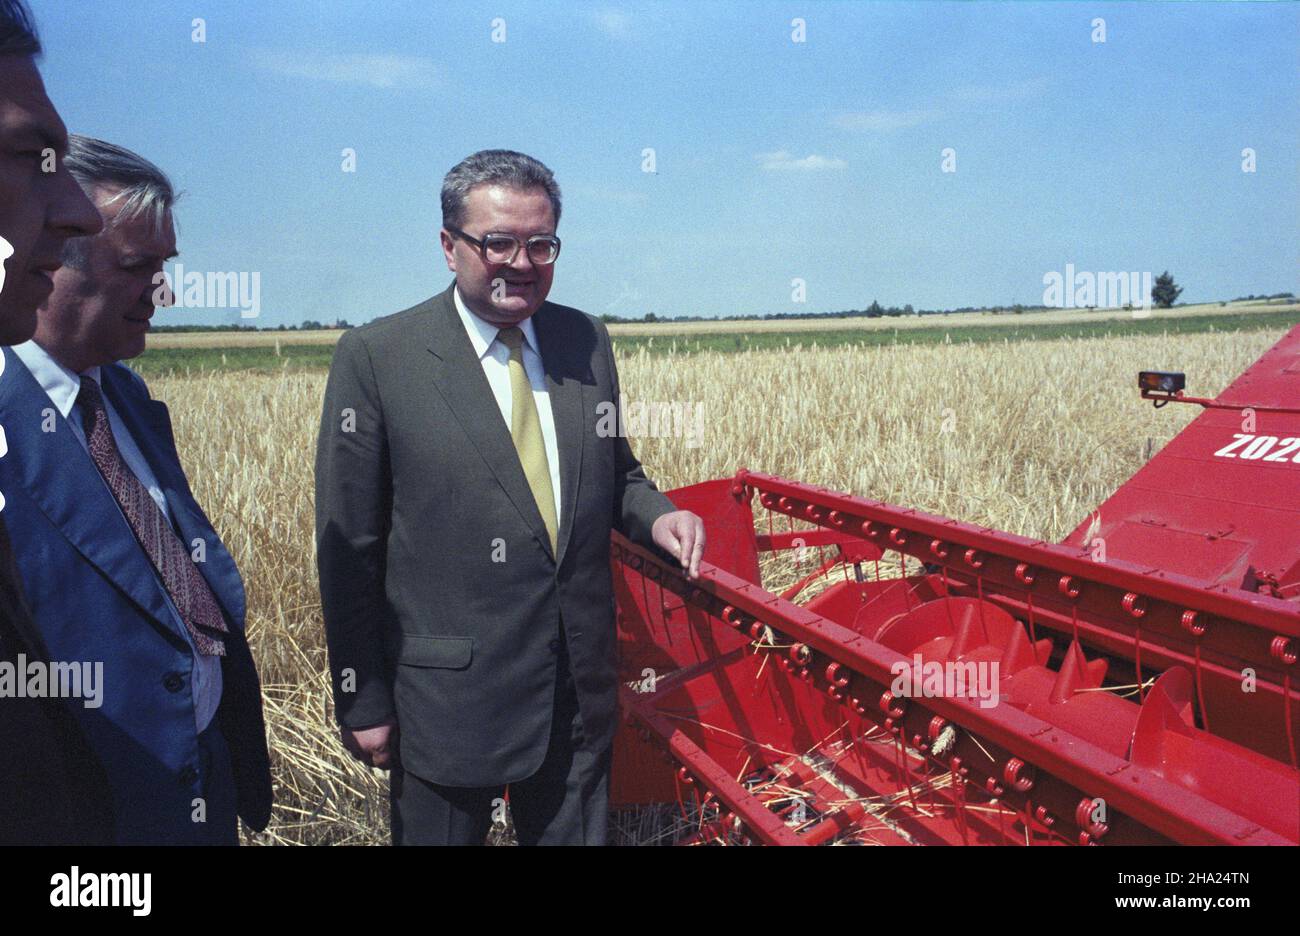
62 386
495 358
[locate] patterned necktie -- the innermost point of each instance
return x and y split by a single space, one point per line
188 589
526 430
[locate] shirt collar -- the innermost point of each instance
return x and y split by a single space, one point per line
482 334
60 384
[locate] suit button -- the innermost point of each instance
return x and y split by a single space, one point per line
173 682
555 644
188 776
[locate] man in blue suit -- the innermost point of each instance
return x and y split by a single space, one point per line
120 564
52 791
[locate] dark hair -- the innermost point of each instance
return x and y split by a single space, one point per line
17 29
495 167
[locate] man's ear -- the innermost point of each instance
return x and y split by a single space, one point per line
448 248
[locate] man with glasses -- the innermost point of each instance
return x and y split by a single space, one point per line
465 493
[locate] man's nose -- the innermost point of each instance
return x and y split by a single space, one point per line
522 263
71 213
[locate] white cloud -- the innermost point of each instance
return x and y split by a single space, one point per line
373 71
810 163
605 193
1012 91
627 302
883 121
616 24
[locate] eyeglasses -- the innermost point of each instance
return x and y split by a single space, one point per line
503 248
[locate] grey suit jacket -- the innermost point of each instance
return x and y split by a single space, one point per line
442 599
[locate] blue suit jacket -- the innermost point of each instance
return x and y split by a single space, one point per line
95 597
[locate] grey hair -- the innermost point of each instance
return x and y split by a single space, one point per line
494 167
141 187
17 29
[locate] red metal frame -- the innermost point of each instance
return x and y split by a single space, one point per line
767 710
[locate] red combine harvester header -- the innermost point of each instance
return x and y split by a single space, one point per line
955 684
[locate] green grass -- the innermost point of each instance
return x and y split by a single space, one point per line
976 334
317 357
257 360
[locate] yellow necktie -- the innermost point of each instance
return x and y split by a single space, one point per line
526 431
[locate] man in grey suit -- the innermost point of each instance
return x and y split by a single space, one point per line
466 487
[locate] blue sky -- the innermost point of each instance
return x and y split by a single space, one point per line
818 160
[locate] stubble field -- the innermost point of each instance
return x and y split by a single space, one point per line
1025 436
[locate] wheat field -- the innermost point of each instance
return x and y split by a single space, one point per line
1026 437
669 330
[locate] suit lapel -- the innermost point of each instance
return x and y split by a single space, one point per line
58 475
459 377
150 426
